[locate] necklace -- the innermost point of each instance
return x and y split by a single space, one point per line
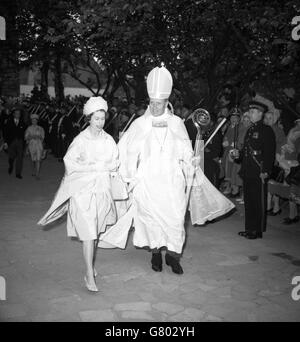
157 139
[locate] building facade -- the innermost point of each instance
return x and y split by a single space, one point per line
9 69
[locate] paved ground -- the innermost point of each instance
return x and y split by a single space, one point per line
227 278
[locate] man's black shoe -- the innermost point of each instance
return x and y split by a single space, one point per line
254 235
156 262
174 263
290 221
19 176
10 170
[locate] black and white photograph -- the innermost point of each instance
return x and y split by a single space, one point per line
150 163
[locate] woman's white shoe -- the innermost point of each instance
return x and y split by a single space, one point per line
92 288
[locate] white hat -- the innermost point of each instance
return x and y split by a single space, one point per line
34 116
159 83
94 104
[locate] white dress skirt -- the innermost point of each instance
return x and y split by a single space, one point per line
85 192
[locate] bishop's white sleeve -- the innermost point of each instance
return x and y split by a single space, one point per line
129 153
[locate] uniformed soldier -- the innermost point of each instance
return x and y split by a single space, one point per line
212 154
257 159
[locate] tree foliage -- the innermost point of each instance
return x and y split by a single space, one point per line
204 43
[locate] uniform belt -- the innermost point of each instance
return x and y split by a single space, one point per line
256 153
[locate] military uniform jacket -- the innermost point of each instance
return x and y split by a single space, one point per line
259 149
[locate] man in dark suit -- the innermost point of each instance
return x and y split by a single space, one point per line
13 135
191 129
54 116
257 159
64 134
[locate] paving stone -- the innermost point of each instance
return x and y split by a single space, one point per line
194 313
4 263
222 292
182 317
131 306
205 287
148 297
137 315
97 316
237 316
243 295
251 317
213 282
261 301
268 293
190 287
125 276
65 300
193 278
195 298
12 310
68 318
234 261
285 301
116 296
271 313
168 308
212 318
169 287
23 319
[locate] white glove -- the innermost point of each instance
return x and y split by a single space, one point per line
196 162
96 166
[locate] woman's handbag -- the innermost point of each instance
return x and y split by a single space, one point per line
294 176
277 174
118 187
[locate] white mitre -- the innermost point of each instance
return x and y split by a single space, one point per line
159 83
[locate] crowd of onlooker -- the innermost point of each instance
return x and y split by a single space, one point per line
223 170
49 127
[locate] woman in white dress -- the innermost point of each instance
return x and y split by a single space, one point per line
34 137
85 192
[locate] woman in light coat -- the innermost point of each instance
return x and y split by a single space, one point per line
34 136
85 192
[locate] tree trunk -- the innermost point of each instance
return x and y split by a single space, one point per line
114 86
58 82
44 79
126 89
140 88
